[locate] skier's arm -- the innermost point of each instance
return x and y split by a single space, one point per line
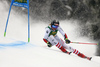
46 36
64 34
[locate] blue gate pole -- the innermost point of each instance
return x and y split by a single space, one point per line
8 19
28 23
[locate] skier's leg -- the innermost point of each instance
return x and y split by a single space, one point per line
76 51
64 47
73 50
61 42
83 56
64 50
55 42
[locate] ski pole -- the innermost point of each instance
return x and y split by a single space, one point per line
85 43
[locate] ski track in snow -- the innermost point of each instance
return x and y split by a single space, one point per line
15 51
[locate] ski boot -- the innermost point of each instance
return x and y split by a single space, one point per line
89 58
83 56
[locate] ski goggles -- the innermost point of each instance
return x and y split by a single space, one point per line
54 26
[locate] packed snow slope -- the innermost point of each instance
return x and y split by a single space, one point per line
23 54
15 51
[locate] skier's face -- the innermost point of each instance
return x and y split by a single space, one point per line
55 26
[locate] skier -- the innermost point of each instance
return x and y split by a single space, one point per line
51 38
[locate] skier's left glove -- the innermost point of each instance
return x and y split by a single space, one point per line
49 44
67 40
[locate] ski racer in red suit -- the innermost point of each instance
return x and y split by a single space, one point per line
51 38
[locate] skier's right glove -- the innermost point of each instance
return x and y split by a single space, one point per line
67 40
49 44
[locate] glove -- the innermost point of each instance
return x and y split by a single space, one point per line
67 40
49 44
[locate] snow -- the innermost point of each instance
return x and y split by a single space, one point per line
30 55
15 51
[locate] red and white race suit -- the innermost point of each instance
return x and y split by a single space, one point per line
52 37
